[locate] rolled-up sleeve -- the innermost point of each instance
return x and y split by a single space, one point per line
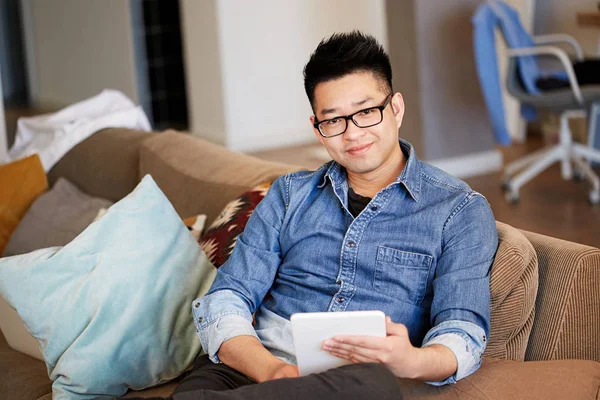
460 311
466 340
219 317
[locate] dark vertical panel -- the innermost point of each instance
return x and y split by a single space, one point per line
12 59
165 67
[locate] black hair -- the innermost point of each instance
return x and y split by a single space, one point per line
345 53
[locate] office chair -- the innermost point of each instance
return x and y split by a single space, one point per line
569 100
573 101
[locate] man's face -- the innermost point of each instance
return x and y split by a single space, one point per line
359 150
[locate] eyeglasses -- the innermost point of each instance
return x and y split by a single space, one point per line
363 119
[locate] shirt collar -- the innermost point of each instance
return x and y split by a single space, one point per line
410 177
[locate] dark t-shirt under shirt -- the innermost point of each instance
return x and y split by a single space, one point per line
356 202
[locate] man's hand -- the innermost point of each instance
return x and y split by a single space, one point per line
247 355
282 370
433 363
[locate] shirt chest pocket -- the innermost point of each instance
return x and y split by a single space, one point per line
401 274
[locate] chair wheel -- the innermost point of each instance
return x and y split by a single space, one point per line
512 196
578 175
505 183
594 197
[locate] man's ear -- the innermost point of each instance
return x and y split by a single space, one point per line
315 130
398 108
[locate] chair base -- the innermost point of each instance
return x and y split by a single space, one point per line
569 154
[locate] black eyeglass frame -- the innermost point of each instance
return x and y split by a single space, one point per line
382 107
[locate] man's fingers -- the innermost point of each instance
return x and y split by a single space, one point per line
354 357
366 342
348 351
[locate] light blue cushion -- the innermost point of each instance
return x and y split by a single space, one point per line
111 310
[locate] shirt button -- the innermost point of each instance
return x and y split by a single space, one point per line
340 299
197 304
351 243
374 208
199 320
339 282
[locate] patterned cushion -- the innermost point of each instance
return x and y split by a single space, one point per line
220 238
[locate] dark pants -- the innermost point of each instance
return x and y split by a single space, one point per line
218 381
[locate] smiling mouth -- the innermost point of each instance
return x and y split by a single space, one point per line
359 150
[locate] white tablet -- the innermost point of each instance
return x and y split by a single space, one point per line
310 330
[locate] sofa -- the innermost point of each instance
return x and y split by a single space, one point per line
545 292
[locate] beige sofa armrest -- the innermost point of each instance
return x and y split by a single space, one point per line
567 322
505 379
199 177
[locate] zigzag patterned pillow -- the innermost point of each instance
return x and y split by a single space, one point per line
220 238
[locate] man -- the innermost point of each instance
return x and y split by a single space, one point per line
375 229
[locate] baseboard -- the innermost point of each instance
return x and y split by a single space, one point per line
462 167
473 164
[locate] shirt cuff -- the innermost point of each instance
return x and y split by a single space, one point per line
465 339
218 317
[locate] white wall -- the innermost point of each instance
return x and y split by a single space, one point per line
80 48
199 27
263 46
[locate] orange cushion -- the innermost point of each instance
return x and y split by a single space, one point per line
21 182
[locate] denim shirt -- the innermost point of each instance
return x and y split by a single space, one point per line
420 252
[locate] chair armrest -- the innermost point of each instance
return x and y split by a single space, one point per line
560 38
560 54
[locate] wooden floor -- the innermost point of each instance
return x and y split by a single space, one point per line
548 204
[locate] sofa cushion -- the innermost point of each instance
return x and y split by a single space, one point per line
506 379
513 290
220 238
112 309
54 219
105 165
200 177
21 182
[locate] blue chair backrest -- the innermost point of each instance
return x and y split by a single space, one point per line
499 14
490 15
